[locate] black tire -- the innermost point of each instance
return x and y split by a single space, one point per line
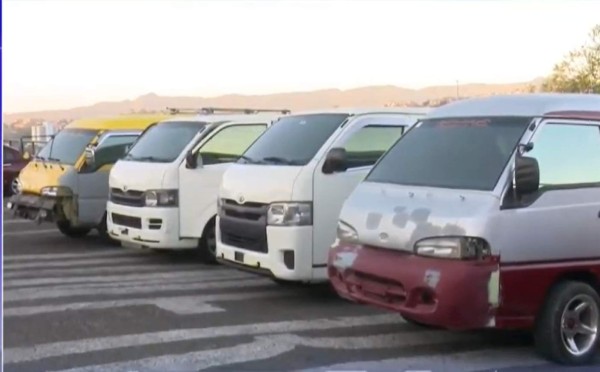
549 333
207 245
103 232
72 232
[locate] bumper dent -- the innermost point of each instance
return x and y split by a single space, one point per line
451 294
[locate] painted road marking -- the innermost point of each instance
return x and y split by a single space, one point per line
24 294
199 273
30 232
272 345
60 256
41 351
91 262
181 305
140 268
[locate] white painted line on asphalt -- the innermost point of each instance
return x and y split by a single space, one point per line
41 351
73 263
12 222
200 273
132 269
181 305
25 294
30 232
84 254
222 275
471 361
261 348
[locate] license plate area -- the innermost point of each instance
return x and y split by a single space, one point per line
238 256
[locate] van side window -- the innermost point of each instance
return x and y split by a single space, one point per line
367 145
567 154
230 143
112 149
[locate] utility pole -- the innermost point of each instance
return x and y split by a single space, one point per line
457 95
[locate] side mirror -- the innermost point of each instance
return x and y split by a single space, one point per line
90 156
335 161
527 175
193 161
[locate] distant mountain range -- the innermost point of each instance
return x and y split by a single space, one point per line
370 96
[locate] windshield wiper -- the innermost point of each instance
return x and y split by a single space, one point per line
280 160
248 160
145 158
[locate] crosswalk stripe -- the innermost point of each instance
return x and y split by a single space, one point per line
61 256
41 351
200 272
181 305
31 232
139 268
13 266
24 294
199 277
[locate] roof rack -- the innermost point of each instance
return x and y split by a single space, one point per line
214 110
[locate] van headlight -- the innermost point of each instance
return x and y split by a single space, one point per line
290 214
161 198
460 248
56 191
346 233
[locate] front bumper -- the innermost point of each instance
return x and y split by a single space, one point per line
447 293
33 207
146 226
288 256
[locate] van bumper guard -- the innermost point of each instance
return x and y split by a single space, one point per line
37 208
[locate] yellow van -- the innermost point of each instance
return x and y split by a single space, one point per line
66 182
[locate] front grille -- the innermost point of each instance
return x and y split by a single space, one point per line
131 198
129 221
244 225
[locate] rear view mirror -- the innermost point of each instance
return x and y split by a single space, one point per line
193 161
527 175
90 156
336 161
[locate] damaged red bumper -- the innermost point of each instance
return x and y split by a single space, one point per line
447 293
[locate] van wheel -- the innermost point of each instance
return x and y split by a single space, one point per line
72 232
567 329
103 232
207 245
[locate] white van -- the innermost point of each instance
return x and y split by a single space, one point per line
279 204
163 193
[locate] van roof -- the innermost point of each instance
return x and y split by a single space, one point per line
129 121
528 105
367 110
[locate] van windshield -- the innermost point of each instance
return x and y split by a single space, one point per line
67 146
293 140
460 153
164 142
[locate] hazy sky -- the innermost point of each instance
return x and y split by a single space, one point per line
60 54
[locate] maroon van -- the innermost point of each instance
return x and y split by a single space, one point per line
13 162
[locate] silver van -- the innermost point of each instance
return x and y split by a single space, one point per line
486 214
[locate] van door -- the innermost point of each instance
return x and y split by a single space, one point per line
198 188
93 181
561 221
365 139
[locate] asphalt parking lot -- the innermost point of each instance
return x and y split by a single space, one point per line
79 305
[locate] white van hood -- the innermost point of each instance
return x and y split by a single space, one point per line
395 217
259 183
140 176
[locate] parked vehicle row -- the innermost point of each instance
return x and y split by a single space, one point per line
483 213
